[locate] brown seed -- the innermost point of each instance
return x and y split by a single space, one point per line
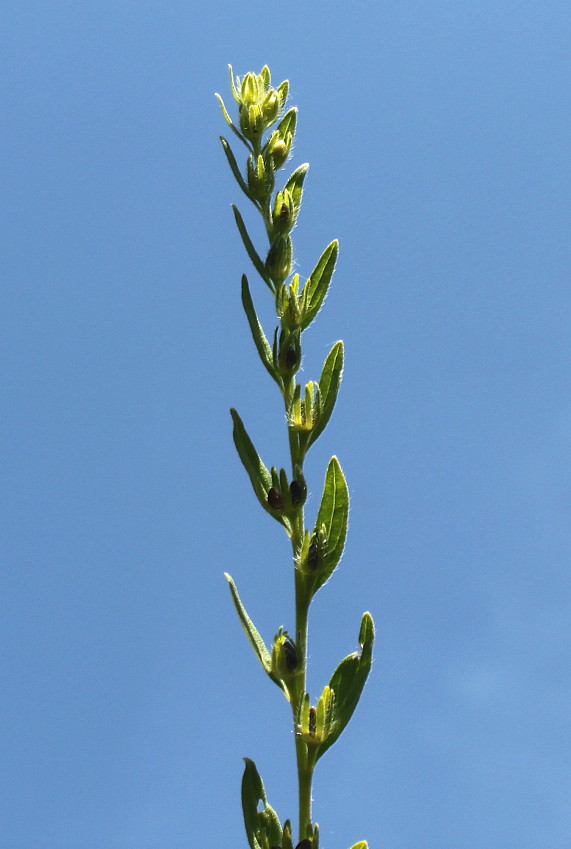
290 655
313 556
296 493
291 357
275 499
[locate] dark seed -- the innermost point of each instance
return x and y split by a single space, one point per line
312 724
296 493
275 499
313 556
290 655
291 357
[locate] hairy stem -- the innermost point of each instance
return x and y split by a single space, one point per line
304 767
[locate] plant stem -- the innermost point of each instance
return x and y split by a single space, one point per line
305 779
304 767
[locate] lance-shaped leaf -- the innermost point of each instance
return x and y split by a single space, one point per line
251 250
333 514
329 383
262 827
260 340
234 167
362 844
252 633
235 85
230 122
266 76
259 475
315 289
295 185
283 91
288 123
348 681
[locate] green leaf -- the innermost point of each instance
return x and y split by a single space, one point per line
333 513
266 76
251 251
258 473
348 681
234 167
260 340
235 92
315 289
283 91
288 123
231 124
362 844
329 383
262 827
295 185
252 633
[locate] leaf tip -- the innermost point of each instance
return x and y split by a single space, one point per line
367 629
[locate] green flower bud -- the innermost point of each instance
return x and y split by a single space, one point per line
287 352
285 659
252 121
313 553
316 723
283 214
250 89
279 150
260 179
288 306
279 259
304 413
271 107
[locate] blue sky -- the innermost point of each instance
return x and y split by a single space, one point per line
438 135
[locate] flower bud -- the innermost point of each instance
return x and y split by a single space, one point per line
249 89
283 213
279 259
288 305
313 552
287 352
316 723
260 179
304 412
278 150
285 660
271 107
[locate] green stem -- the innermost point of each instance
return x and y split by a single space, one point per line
304 767
305 779
305 764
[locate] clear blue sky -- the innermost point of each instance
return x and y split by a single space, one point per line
439 137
